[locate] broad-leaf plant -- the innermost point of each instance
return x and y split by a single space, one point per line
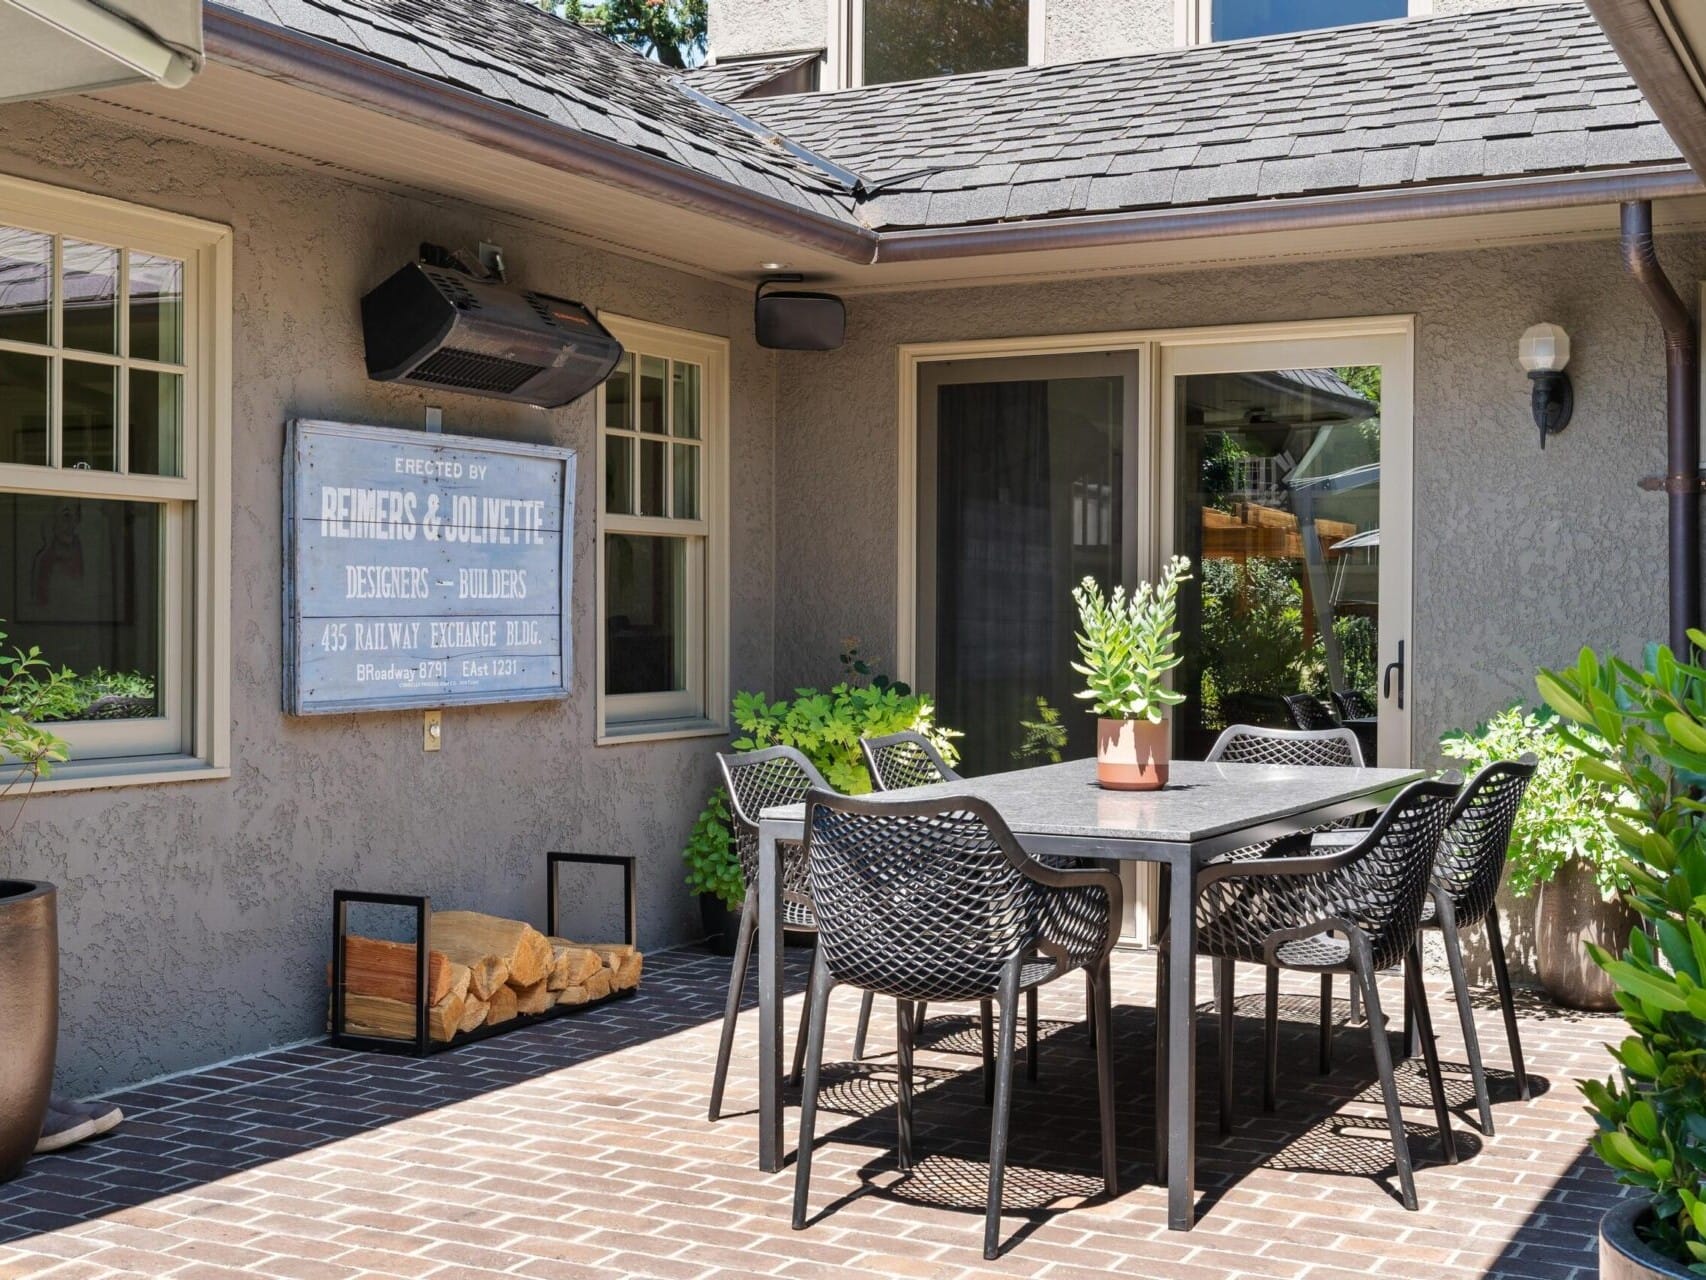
1128 645
27 751
823 725
1642 730
1563 817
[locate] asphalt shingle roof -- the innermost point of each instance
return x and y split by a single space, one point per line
731 81
1517 92
1530 90
519 56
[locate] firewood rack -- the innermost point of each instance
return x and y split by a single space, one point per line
423 1045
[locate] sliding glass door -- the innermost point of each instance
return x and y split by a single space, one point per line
1288 466
1026 473
1276 458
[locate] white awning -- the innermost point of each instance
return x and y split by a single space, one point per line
50 47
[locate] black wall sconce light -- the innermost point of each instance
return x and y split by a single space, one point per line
1543 353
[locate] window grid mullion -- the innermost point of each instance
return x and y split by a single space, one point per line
56 374
121 428
634 429
668 437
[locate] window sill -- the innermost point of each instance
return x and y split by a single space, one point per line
661 731
134 771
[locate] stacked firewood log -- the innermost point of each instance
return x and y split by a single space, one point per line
481 971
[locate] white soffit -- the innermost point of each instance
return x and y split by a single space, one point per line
53 47
233 108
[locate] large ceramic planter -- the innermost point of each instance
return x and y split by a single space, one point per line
1623 1255
1132 755
29 1011
1572 913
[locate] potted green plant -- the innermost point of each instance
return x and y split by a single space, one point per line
1646 736
714 873
1126 647
29 929
1561 846
823 725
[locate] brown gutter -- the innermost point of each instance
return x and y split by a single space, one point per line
329 69
1297 214
1682 419
1663 65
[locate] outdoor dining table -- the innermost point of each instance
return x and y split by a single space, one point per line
1204 811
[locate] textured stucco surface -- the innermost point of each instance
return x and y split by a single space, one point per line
195 916
1521 555
767 26
1078 30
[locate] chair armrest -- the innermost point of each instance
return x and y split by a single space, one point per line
1318 861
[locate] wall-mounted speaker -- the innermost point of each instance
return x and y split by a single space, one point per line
789 320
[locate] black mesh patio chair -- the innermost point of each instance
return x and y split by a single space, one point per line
1252 744
1309 712
1354 704
906 759
924 901
756 781
1353 909
909 759
1465 887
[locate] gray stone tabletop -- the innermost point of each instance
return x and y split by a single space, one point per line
1199 802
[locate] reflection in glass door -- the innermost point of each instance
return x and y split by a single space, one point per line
1284 497
1022 493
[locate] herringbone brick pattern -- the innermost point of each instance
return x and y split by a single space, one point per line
581 1149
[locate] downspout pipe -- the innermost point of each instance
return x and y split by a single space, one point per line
1681 482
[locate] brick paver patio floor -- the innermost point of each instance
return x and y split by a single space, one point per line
580 1148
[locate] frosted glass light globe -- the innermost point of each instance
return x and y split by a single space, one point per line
1545 348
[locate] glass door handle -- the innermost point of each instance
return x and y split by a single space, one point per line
1386 677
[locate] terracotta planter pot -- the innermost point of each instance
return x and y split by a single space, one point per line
1132 755
1623 1255
1571 913
29 1010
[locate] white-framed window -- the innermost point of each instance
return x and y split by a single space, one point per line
663 574
884 41
1211 21
114 477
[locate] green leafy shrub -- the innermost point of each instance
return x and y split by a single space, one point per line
1127 645
1642 730
712 865
27 751
1563 817
823 725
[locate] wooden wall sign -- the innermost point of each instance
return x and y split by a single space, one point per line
423 570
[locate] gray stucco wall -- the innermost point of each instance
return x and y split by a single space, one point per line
1078 30
194 917
739 27
1521 555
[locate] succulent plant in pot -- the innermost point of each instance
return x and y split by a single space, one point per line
1648 737
29 931
1126 646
